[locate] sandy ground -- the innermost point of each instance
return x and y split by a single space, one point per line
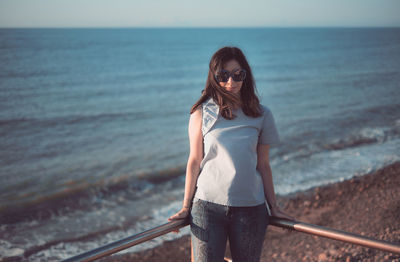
368 205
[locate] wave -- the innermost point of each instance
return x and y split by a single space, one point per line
162 176
32 125
16 122
29 74
72 119
363 137
83 195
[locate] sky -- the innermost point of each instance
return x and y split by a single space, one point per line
199 13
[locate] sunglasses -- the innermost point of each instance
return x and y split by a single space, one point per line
237 75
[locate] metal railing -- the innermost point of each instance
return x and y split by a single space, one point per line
288 224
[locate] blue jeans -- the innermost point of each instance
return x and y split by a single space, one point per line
212 224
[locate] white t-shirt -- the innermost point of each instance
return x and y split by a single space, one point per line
228 174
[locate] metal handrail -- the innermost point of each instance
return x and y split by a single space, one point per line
336 234
128 242
326 232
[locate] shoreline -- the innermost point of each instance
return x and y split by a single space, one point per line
368 205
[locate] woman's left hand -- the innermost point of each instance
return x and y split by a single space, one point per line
276 212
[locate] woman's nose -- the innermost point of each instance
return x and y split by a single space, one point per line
230 80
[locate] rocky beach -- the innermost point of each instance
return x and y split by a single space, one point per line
368 205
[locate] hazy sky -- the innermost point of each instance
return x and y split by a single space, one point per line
198 13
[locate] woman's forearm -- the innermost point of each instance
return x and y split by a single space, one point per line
266 174
192 173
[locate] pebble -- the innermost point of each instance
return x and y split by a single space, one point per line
333 252
322 257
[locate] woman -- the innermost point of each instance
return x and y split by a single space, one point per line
228 176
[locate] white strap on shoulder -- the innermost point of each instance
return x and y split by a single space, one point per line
210 112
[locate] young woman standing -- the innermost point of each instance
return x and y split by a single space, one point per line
228 175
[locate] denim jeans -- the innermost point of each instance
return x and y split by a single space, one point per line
212 224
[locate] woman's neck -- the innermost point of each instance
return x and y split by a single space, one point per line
239 99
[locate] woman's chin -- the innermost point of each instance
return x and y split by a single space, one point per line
233 90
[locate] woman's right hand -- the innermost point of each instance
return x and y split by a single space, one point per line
182 214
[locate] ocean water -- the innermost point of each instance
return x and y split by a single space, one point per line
93 122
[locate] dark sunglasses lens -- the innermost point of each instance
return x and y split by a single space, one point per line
222 76
239 75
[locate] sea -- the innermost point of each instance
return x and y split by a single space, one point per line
93 122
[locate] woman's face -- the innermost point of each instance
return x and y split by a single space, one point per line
232 86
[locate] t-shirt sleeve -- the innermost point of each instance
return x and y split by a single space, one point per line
268 134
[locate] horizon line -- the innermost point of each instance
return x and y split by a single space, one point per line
194 27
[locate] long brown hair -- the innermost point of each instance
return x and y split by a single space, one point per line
227 101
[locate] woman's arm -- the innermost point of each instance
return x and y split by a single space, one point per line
264 169
193 164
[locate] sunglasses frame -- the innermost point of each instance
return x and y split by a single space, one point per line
231 74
